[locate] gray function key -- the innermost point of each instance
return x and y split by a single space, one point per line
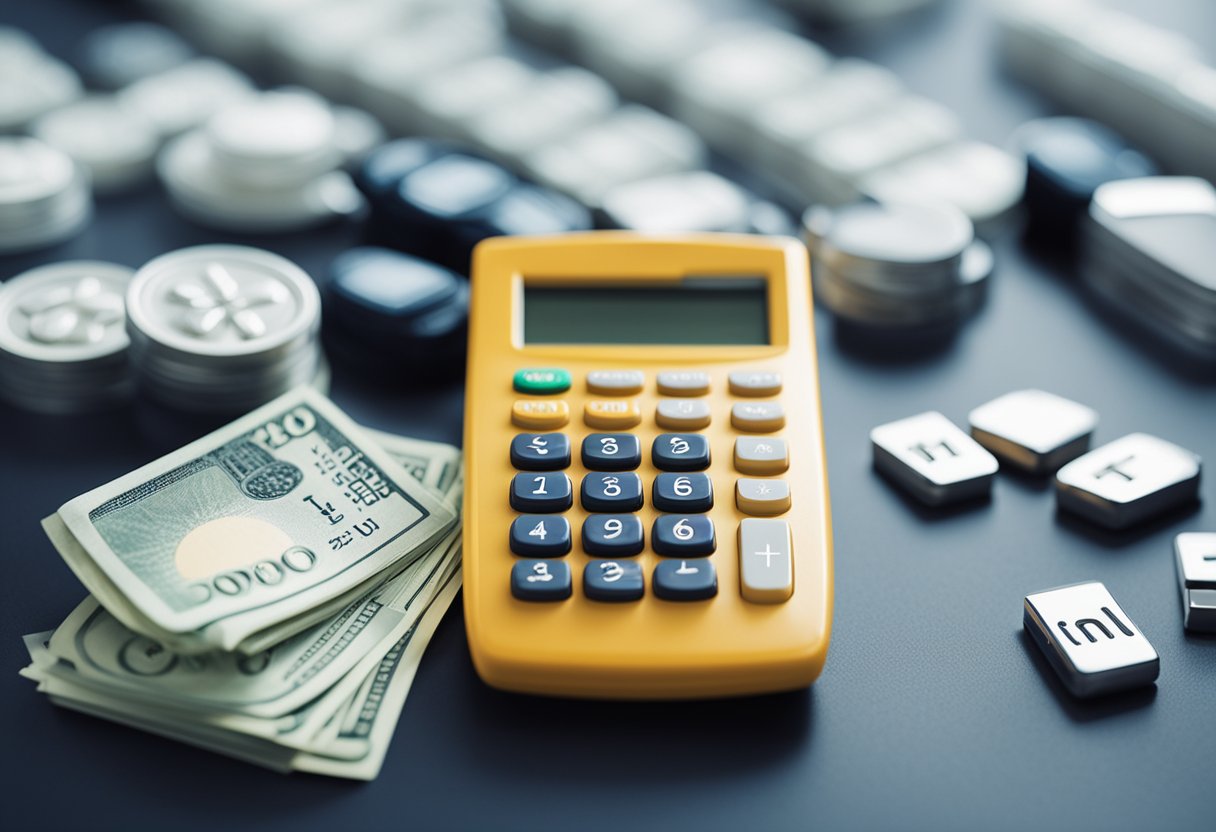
1033 430
761 417
1127 481
682 414
615 382
762 497
1089 640
766 563
761 455
748 383
1196 557
932 459
683 383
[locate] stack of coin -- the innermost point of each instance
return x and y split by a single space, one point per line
44 196
897 266
114 143
222 328
63 347
1149 252
267 163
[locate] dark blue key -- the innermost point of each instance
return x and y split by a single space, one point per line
612 452
540 451
613 535
688 493
680 452
682 580
541 493
612 492
540 536
541 580
613 580
683 535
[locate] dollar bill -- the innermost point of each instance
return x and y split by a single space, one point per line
290 510
434 464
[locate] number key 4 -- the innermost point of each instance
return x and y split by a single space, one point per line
540 536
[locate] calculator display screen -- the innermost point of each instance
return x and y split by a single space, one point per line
732 310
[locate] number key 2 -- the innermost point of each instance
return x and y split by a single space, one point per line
540 536
540 451
683 492
680 452
541 493
611 452
683 535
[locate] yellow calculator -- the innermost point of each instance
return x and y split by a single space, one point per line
646 504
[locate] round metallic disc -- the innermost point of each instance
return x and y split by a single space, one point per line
275 137
31 172
116 144
65 312
900 233
223 301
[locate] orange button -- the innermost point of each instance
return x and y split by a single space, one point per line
612 414
540 414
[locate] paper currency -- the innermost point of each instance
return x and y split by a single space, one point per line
287 510
326 700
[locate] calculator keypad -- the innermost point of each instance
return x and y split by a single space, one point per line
540 536
540 451
682 580
612 492
680 452
611 452
613 581
541 493
688 493
613 535
683 535
541 580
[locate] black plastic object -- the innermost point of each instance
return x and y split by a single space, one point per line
437 200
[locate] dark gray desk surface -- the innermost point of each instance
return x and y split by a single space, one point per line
933 711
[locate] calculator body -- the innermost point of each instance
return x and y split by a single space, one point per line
611 306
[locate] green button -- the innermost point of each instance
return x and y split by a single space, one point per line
542 381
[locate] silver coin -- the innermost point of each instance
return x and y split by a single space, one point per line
31 172
274 138
65 312
115 144
223 301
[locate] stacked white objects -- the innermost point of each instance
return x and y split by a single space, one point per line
270 162
691 201
31 81
44 196
1151 85
187 95
63 344
114 143
222 328
1149 250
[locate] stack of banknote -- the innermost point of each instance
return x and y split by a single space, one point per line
265 592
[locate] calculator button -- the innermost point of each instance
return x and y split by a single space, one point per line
613 580
611 452
541 414
683 535
682 580
761 417
542 381
612 492
613 535
688 493
612 413
541 580
762 497
745 383
680 452
682 414
766 566
683 383
540 536
540 451
541 493
761 455
615 382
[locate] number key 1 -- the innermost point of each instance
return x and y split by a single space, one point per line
542 493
